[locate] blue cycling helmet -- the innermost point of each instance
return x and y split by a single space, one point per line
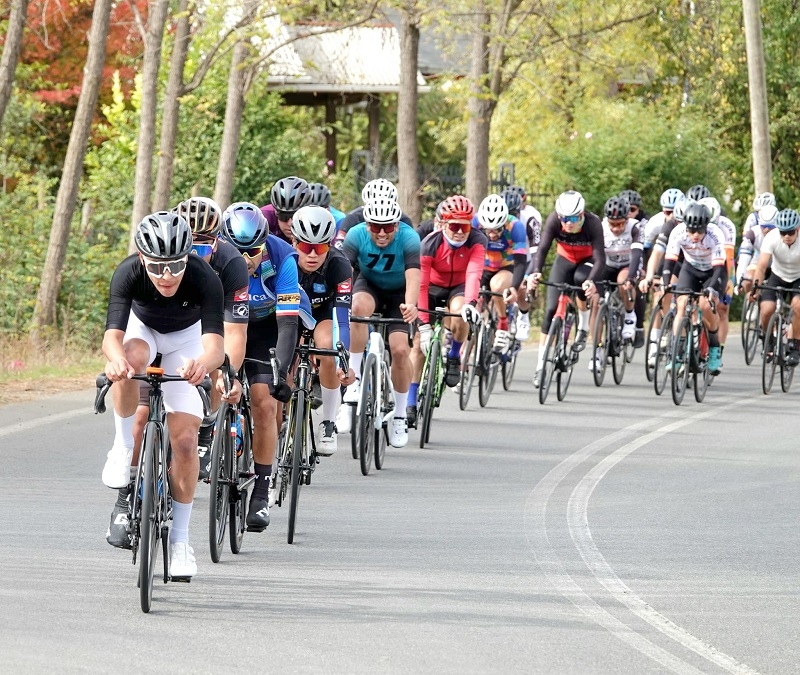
244 226
788 220
670 197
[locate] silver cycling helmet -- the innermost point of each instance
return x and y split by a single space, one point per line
313 225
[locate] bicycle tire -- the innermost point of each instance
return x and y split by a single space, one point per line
297 431
665 343
355 441
469 364
428 389
602 342
751 320
381 435
649 370
681 360
245 471
368 405
771 354
702 376
551 346
618 348
221 475
510 365
787 371
489 365
150 521
564 377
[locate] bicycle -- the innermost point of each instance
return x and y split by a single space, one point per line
560 355
374 411
151 502
608 340
652 339
431 385
690 355
479 357
232 473
298 457
508 361
751 323
776 342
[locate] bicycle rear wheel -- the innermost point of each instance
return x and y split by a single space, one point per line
469 366
664 345
681 361
551 349
602 341
771 353
368 405
296 431
428 390
150 521
221 475
244 478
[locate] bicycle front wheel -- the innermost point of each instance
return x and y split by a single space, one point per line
244 478
296 430
602 340
220 483
551 349
488 368
381 433
651 343
787 371
751 317
428 390
771 353
701 374
681 361
664 347
469 366
510 364
150 521
564 375
618 349
366 421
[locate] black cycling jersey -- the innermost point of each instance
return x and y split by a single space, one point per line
198 298
586 245
425 228
231 269
329 286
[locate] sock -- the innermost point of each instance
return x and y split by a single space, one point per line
122 496
540 358
261 484
502 323
400 403
123 431
455 349
181 513
412 394
713 338
583 319
355 362
330 402
630 316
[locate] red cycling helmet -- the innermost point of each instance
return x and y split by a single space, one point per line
457 207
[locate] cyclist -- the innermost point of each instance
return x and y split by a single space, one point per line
321 196
506 257
698 192
163 301
781 251
327 278
580 260
452 262
431 224
623 259
750 249
635 202
375 189
532 220
702 246
275 302
287 196
761 200
384 253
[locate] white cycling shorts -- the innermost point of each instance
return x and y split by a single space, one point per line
175 349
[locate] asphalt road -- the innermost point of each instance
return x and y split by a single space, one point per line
611 533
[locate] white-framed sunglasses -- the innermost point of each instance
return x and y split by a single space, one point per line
158 268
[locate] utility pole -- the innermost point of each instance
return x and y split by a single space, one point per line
759 111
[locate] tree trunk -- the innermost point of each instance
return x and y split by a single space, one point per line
44 314
143 183
169 115
407 98
480 110
11 49
237 88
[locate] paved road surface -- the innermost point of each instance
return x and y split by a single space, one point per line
610 533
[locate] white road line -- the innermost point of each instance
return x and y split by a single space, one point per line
27 425
578 522
535 525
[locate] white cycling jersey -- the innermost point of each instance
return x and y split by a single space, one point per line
785 259
728 229
652 229
618 247
749 251
702 255
750 223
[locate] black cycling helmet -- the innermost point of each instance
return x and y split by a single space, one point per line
519 190
617 208
163 236
633 197
320 195
696 217
290 194
788 220
698 192
513 200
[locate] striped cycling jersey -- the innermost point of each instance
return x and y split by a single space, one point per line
500 252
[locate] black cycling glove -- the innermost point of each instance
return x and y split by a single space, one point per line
279 389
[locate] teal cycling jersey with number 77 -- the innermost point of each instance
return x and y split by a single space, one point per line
383 268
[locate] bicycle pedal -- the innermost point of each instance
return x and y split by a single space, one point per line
251 528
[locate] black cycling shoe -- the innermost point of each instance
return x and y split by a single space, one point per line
638 341
580 341
119 529
257 515
411 416
452 373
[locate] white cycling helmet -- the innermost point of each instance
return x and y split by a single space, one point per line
493 212
313 225
382 211
570 203
669 197
764 199
768 216
712 205
378 188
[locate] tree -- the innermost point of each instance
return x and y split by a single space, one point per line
44 315
11 50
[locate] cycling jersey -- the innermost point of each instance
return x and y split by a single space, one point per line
330 291
532 220
702 255
785 259
231 269
199 297
749 252
510 250
425 228
272 220
585 245
624 249
445 266
384 268
649 234
338 216
356 217
750 223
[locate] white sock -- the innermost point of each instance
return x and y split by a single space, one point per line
540 358
330 402
355 362
583 319
181 514
123 431
400 403
630 317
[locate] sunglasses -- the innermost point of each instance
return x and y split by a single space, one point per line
202 249
203 239
788 233
667 212
158 268
377 228
459 227
307 249
634 208
617 222
571 219
284 216
252 252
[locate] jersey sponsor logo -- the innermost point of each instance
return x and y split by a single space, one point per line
343 299
260 297
289 298
345 286
241 295
319 288
241 310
